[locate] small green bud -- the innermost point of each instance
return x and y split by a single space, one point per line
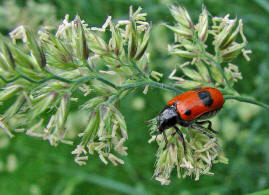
61 116
202 26
182 16
230 39
15 107
184 32
133 40
105 117
9 92
191 73
4 127
183 53
202 69
116 40
216 75
143 45
81 46
90 131
96 44
6 58
225 33
232 51
21 59
42 105
36 51
52 86
93 102
189 84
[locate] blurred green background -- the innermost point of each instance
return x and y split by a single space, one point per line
31 166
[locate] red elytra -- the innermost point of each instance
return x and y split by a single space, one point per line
190 105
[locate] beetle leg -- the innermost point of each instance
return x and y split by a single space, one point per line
182 138
196 127
209 127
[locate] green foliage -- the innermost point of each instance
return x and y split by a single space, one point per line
33 15
244 128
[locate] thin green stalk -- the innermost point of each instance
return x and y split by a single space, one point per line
58 78
152 84
248 100
95 76
106 82
139 70
55 77
34 81
83 79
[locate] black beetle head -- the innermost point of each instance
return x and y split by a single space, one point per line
167 118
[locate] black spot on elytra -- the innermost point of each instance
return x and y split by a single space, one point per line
188 112
206 98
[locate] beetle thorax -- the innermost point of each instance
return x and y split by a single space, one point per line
168 118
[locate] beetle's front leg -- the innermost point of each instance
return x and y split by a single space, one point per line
182 138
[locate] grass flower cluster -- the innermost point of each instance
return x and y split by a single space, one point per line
202 153
41 76
201 68
44 76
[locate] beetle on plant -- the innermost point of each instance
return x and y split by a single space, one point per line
189 109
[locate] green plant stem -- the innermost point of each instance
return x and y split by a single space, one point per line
129 86
55 77
152 84
34 81
139 70
106 82
95 76
247 100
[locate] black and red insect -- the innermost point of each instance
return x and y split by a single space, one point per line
190 109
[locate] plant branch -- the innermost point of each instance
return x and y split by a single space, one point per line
247 100
152 84
55 77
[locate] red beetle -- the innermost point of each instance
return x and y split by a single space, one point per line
189 109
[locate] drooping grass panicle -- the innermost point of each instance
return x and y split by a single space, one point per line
41 75
205 68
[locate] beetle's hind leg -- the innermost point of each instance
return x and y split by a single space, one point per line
199 128
182 138
209 126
